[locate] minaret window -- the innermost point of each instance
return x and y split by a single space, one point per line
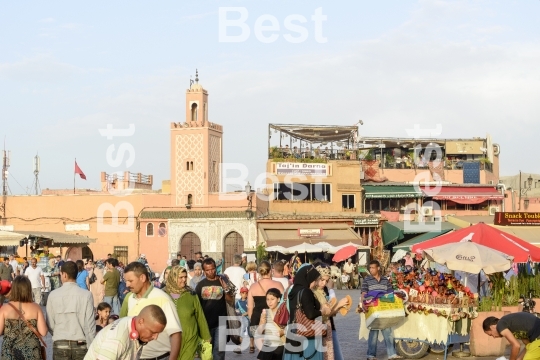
194 112
190 199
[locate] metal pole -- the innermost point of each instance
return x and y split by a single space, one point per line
519 203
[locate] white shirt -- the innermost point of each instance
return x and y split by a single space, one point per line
34 275
14 264
236 275
284 281
113 343
160 298
348 268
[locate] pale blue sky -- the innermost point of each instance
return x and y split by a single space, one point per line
68 69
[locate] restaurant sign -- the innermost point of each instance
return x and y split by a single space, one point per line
517 219
307 169
310 232
369 221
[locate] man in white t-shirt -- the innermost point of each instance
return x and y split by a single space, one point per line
143 293
236 274
126 338
277 274
35 274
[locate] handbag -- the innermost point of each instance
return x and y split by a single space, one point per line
43 346
282 314
308 328
92 279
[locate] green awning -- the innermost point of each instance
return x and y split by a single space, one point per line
393 231
407 245
391 192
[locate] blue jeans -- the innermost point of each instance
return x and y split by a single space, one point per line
215 333
114 302
245 326
388 336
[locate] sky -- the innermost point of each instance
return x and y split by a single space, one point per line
67 69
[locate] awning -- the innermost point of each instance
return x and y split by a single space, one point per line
10 238
465 195
391 191
287 234
393 231
407 245
528 233
58 237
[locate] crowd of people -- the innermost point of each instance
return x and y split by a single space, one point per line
286 310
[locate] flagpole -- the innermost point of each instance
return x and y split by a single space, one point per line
74 177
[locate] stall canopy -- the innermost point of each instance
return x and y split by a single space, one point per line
288 234
488 236
10 238
394 231
391 191
58 237
464 195
407 245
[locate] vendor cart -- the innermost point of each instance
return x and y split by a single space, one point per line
429 327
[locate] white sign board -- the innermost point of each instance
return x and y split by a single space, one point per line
77 227
307 169
6 227
310 232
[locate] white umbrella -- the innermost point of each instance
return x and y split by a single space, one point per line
470 257
400 254
277 248
335 249
326 246
305 248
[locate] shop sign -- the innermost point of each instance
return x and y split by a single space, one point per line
77 227
6 227
310 232
370 221
517 219
307 169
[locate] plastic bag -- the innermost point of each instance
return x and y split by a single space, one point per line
205 350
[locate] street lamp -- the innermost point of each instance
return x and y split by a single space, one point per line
249 197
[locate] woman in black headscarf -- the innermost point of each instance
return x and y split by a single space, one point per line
310 348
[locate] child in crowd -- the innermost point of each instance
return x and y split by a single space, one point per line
273 336
103 316
344 279
241 310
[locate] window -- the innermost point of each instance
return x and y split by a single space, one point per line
450 205
214 167
190 199
189 165
149 229
347 201
162 231
194 112
320 192
302 191
121 253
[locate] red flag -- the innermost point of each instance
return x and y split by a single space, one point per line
79 171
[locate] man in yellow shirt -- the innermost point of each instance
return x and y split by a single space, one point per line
143 293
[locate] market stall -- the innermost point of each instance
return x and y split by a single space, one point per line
438 308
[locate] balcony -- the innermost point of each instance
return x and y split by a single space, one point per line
312 143
406 163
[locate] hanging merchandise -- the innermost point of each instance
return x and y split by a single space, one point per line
370 239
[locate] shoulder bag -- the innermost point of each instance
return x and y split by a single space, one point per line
34 330
282 314
309 328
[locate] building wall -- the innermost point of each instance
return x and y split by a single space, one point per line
52 213
343 176
212 233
